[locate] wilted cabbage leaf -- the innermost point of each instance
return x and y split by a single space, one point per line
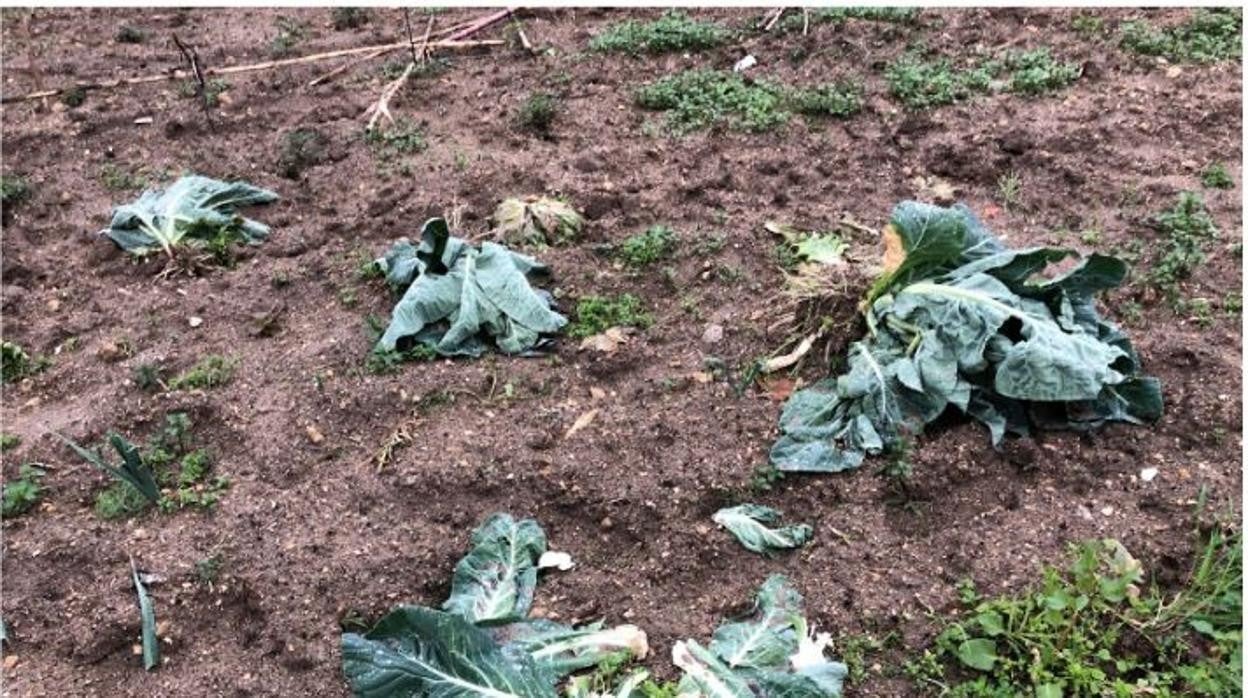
495 581
456 296
194 210
750 524
958 320
537 220
768 656
416 651
482 644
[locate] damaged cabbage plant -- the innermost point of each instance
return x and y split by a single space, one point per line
195 213
751 524
537 221
482 643
457 299
773 653
958 320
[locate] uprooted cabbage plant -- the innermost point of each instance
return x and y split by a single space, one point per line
959 320
457 298
482 642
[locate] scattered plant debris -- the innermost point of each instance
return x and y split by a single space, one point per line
674 32
456 297
193 212
750 523
957 319
537 221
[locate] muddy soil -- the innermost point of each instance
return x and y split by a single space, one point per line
312 532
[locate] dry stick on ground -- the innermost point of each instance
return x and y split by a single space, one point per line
774 18
805 21
180 74
201 85
346 66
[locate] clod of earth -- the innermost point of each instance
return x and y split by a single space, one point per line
959 320
456 297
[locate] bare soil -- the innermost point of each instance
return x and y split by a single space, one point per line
310 533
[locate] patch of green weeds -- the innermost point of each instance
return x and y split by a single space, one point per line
1201 312
1037 72
211 371
1232 304
120 500
14 189
1186 231
1208 36
839 100
675 31
22 493
1094 630
657 243
9 441
208 569
127 34
301 148
595 314
1091 237
118 179
795 21
148 377
213 89
289 33
382 361
400 139
698 99
349 17
1216 176
1087 26
764 478
537 113
922 84
16 364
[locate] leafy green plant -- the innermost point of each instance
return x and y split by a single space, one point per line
751 524
132 471
1186 231
770 654
22 493
117 178
1087 25
1009 188
403 138
289 33
537 220
537 113
14 189
657 243
8 441
959 320
16 364
839 100
148 376
1208 36
301 148
596 314
795 21
211 371
697 99
456 296
1215 176
483 643
191 212
674 31
1094 630
922 84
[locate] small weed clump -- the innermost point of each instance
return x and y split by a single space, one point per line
403 138
16 364
674 31
1087 26
537 113
643 249
1209 36
119 179
148 377
922 84
127 34
301 148
289 34
349 18
213 89
8 441
1215 176
698 99
1010 188
382 361
13 190
22 493
596 314
839 100
74 97
212 371
1186 231
1093 630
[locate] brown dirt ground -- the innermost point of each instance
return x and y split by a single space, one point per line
310 531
